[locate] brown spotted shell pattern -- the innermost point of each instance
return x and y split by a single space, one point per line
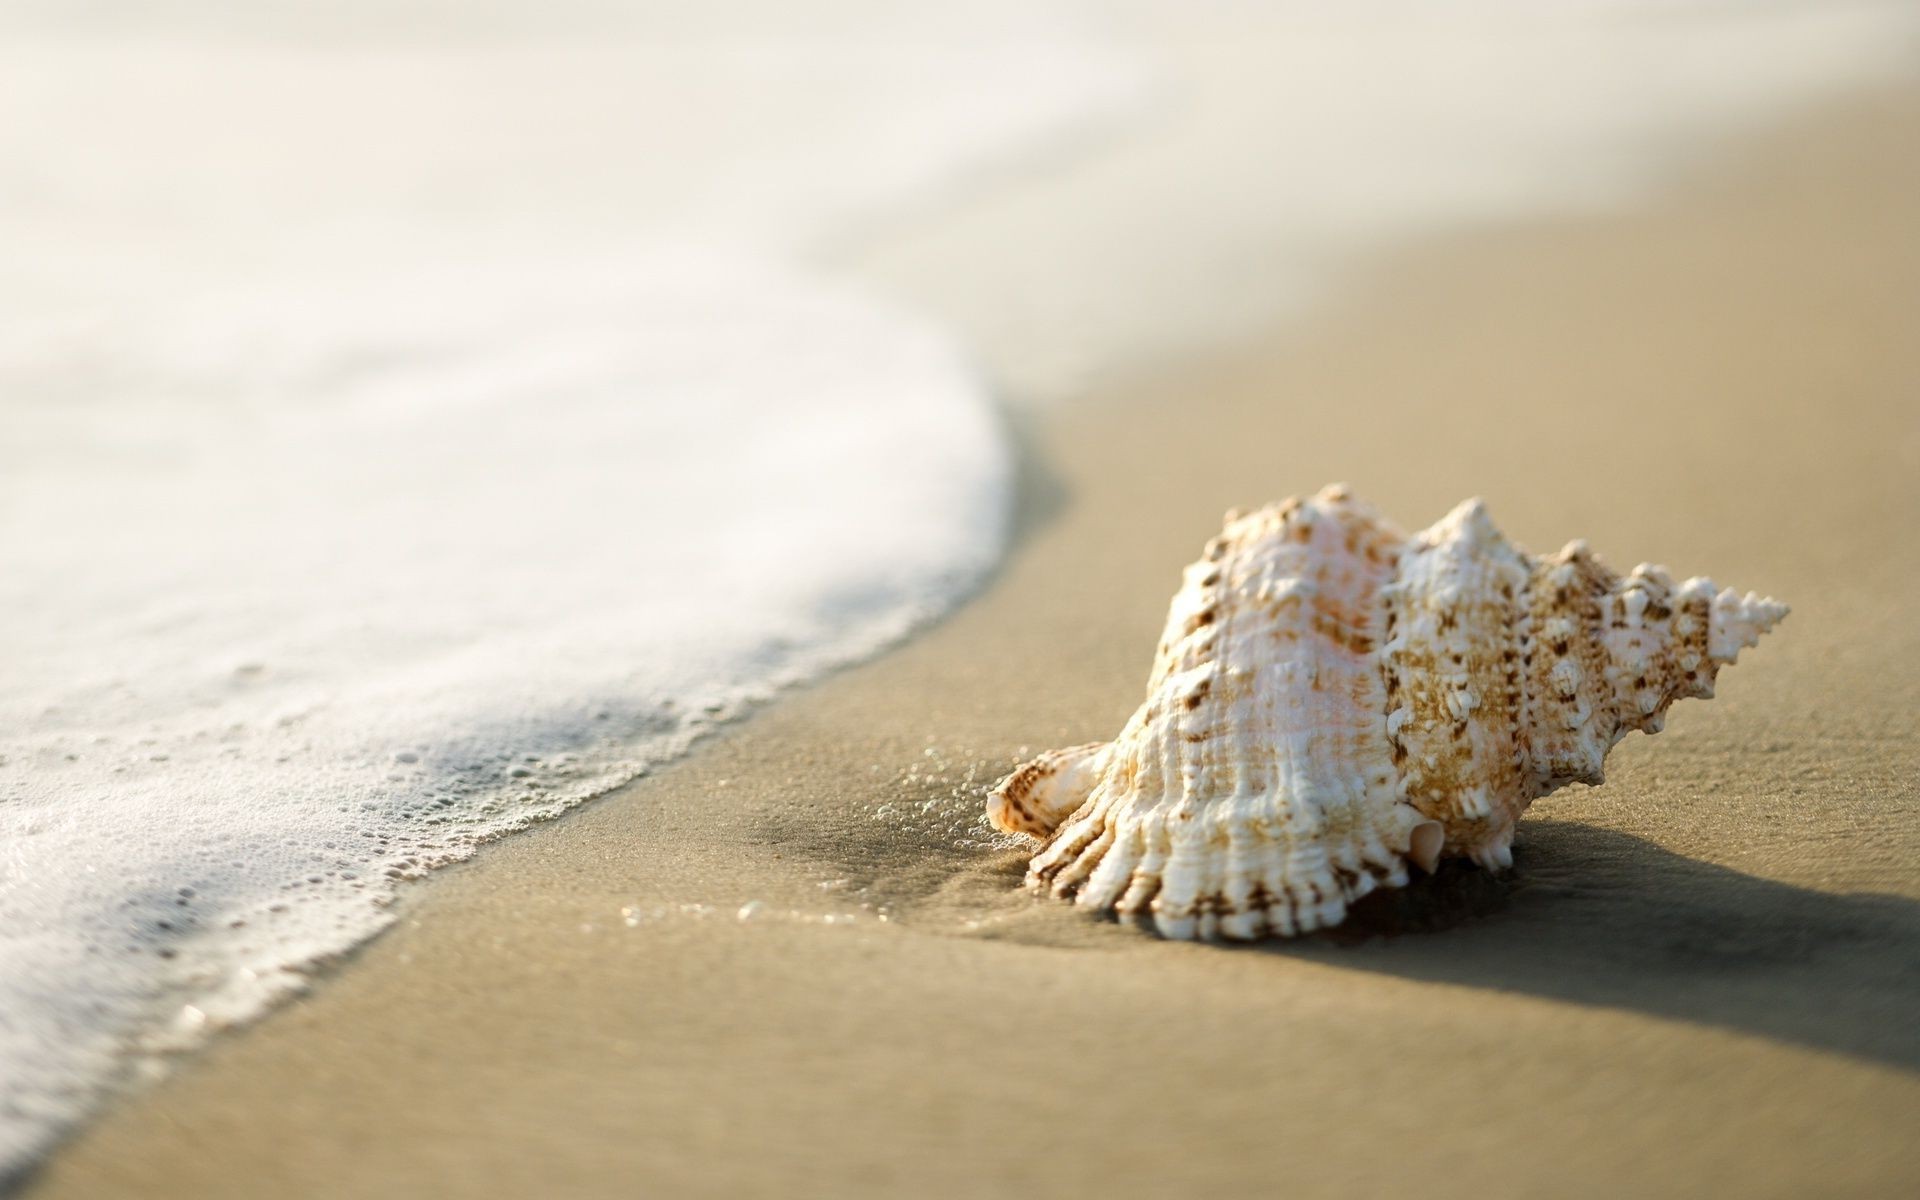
1333 701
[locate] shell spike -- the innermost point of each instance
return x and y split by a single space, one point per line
1470 520
1495 854
1574 551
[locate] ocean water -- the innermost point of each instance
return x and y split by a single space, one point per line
401 444
417 418
1287 142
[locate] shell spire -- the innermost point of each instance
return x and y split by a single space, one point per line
1738 621
1332 701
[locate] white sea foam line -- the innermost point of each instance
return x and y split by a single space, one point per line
360 501
264 660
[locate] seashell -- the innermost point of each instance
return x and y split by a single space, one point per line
1333 700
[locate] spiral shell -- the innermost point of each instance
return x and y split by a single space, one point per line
1332 701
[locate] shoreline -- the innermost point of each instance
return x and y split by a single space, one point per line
1681 971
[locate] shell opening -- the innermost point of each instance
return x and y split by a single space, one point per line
1037 797
1425 843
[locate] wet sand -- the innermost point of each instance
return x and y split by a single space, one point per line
795 964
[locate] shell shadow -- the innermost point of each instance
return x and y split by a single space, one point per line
1588 916
1597 917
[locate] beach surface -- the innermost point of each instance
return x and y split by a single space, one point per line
796 964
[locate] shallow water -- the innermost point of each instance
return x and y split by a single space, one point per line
377 479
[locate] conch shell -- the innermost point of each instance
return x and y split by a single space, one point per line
1332 700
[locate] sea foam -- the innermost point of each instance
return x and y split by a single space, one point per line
284 631
399 446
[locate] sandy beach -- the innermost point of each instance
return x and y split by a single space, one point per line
795 963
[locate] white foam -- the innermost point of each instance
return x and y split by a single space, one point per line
288 625
401 445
